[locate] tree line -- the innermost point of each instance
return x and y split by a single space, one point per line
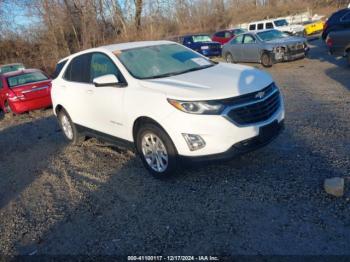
52 29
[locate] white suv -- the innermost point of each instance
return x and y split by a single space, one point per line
280 24
166 101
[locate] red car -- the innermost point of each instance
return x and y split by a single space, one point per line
226 35
25 90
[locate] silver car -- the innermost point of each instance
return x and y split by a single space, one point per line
265 47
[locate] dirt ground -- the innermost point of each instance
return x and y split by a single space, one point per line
99 200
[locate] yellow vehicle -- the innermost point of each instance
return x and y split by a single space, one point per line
311 28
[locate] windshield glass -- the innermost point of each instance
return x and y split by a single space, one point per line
11 68
271 35
281 22
239 31
161 61
201 38
26 79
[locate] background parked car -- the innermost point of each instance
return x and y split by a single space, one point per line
202 43
338 43
25 90
312 28
226 35
11 67
265 47
337 21
279 24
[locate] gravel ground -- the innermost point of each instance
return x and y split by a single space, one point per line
96 199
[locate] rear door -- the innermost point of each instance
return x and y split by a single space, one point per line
236 48
76 89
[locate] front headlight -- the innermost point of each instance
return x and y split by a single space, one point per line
205 47
198 107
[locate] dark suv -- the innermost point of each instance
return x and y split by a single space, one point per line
337 21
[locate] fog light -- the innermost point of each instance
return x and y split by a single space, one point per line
194 142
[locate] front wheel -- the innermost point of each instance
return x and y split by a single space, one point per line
266 60
69 129
156 150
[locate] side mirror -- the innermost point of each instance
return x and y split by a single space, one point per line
106 80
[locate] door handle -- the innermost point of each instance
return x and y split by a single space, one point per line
89 92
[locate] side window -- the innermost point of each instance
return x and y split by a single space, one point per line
269 25
248 39
79 69
252 27
237 40
260 26
58 69
102 65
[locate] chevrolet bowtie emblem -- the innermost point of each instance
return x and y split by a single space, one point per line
260 95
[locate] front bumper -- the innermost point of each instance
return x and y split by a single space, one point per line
290 55
272 131
219 133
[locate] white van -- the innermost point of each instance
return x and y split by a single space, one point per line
280 24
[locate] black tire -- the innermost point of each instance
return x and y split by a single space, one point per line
172 155
75 138
7 107
229 58
348 57
266 60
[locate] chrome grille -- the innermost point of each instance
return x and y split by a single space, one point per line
257 107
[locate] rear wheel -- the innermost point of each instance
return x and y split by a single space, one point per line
7 108
348 57
69 129
266 60
156 150
229 58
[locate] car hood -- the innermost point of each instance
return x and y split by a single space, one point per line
217 82
288 40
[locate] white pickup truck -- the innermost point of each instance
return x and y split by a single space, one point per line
280 24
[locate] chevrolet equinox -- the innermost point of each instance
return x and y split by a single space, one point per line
167 102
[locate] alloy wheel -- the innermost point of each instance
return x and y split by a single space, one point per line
154 152
67 127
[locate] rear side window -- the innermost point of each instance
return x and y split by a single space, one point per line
237 40
24 79
252 27
79 69
260 26
269 25
58 69
248 39
102 65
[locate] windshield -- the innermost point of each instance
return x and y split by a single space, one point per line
271 35
201 38
26 79
11 68
161 61
281 22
